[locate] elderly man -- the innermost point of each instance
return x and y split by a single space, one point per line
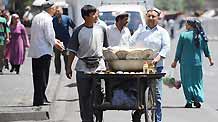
156 38
41 49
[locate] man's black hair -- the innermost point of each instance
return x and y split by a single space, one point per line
86 10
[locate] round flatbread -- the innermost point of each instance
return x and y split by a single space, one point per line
137 54
121 54
148 54
109 55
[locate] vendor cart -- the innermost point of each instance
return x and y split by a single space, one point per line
145 94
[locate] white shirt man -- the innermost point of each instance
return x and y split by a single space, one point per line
117 37
41 49
118 34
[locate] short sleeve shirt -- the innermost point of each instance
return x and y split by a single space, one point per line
88 42
62 29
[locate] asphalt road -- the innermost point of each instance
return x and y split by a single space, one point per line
66 104
16 91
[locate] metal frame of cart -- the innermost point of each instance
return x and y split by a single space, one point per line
146 95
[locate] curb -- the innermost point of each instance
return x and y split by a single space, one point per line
8 114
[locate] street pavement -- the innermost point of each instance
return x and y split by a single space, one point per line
16 97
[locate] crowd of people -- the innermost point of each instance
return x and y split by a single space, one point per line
50 34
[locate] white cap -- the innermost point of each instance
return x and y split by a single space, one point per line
158 11
38 2
119 13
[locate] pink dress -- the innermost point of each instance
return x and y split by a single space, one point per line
18 42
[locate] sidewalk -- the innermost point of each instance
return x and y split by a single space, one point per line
16 92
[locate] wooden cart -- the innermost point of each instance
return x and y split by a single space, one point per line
145 94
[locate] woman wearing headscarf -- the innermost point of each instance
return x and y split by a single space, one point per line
18 42
192 43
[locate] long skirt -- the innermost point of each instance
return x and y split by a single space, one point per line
192 83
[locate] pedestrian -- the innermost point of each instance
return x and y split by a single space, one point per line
4 39
7 16
27 16
118 34
18 42
171 24
41 49
154 37
192 43
61 25
86 43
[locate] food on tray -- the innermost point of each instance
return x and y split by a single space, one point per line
139 54
109 55
120 59
121 54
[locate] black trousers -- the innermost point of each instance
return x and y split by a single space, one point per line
57 60
85 91
40 70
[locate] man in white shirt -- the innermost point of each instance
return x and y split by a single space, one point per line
118 34
154 37
41 49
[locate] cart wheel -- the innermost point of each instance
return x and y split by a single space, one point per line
150 103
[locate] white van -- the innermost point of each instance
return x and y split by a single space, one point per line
136 14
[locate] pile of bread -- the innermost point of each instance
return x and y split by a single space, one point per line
128 54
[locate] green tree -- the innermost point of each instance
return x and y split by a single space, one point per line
179 5
170 5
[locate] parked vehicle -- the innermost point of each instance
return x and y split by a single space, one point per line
136 14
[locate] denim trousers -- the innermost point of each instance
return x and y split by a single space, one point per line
158 97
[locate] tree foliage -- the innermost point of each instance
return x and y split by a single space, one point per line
179 5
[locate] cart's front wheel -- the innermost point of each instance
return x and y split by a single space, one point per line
150 103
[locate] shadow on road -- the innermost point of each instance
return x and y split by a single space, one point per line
71 85
72 100
173 107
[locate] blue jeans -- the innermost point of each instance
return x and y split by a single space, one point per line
158 97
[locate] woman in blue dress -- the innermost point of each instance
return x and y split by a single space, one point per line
192 43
